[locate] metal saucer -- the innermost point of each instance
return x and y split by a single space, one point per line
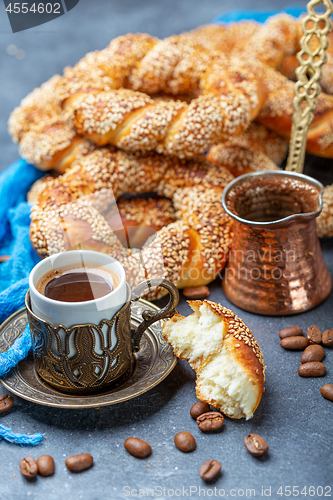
153 363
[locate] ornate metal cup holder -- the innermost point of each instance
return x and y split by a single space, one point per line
85 358
152 364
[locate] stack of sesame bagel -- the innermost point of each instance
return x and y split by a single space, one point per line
136 117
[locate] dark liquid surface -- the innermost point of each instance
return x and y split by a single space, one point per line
267 217
77 287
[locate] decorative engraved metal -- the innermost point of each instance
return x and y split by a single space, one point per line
86 369
275 267
153 363
82 359
312 56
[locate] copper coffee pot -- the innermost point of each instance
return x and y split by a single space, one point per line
276 265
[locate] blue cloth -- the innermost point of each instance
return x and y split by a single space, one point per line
257 15
15 182
12 437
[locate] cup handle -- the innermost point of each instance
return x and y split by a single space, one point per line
150 317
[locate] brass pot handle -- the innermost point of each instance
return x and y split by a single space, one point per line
312 56
150 317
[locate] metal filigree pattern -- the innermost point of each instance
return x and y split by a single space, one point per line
86 358
312 56
11 334
67 358
154 361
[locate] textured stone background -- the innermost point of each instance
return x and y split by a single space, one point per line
293 417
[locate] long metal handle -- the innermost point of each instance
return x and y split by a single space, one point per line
311 57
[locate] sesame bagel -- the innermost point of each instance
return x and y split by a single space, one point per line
104 98
254 150
78 210
227 359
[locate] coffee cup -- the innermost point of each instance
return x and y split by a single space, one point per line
87 346
68 314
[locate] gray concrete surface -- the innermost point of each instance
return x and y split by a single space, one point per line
293 417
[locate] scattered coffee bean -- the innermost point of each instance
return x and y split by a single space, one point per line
77 463
199 408
210 469
293 331
6 402
28 467
45 465
256 445
196 292
312 369
327 391
294 343
210 421
185 441
327 338
137 447
313 352
314 334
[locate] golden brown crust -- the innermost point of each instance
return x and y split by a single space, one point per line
239 159
239 331
255 149
45 145
39 186
238 341
243 347
134 220
133 121
273 40
288 67
201 209
90 99
225 63
39 106
325 219
100 177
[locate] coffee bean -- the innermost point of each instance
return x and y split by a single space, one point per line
77 463
6 402
314 334
294 343
185 441
312 369
45 465
199 408
327 338
28 467
137 447
327 391
196 292
210 421
313 353
256 445
292 331
210 469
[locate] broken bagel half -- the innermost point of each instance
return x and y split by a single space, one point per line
227 359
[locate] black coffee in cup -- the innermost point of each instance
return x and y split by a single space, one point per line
77 284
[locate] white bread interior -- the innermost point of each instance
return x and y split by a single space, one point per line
230 372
